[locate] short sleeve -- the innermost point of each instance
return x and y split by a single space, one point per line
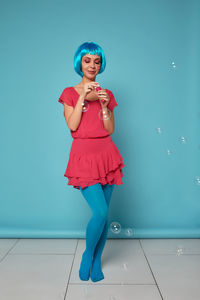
66 97
112 103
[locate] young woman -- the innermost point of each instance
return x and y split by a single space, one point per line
95 163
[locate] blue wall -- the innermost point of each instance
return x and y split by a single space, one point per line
153 66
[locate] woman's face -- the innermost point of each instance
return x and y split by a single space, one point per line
91 64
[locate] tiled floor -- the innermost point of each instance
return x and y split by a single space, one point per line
141 269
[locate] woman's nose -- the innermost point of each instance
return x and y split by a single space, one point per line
92 64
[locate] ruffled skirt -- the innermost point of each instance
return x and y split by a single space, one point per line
94 160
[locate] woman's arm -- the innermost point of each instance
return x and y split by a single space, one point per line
109 124
73 115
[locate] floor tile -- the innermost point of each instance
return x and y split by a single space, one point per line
171 246
52 246
178 277
41 277
112 292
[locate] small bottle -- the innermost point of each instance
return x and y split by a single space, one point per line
98 89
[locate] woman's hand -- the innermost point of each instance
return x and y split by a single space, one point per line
88 87
102 94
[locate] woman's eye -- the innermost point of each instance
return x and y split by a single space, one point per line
96 62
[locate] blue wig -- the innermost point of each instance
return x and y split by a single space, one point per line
82 50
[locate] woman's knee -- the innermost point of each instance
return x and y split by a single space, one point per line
102 213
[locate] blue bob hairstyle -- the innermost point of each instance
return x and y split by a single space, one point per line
91 48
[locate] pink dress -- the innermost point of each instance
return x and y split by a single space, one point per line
93 156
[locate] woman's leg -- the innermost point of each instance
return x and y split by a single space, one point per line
95 198
97 273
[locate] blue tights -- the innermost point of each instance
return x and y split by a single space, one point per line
98 198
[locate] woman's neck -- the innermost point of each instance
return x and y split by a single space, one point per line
86 80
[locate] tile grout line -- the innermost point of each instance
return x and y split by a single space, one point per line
151 271
71 270
9 250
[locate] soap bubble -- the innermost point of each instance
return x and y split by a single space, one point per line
85 106
173 65
62 295
128 231
158 130
180 250
103 115
125 266
183 140
115 227
197 180
169 152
